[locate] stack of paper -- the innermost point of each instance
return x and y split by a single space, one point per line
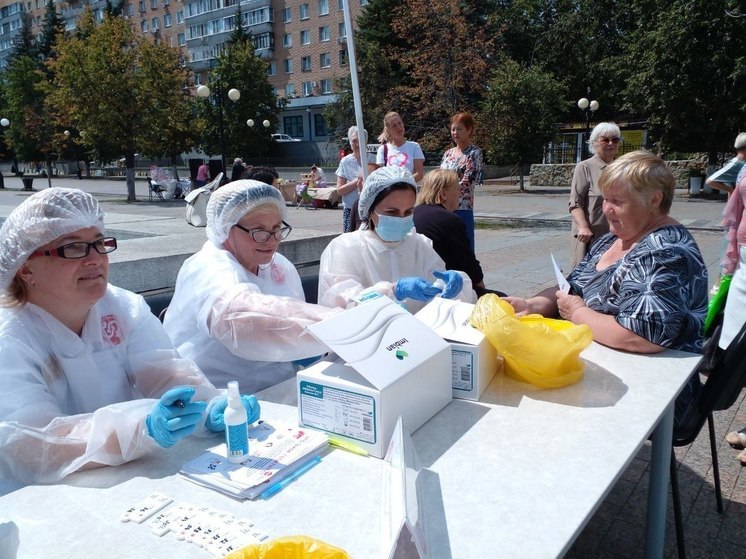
275 452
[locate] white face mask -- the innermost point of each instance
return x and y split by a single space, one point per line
393 229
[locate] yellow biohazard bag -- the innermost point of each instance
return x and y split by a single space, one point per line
542 351
291 547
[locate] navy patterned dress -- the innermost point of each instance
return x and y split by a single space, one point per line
658 290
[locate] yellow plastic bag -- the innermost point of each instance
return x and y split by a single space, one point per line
542 351
290 547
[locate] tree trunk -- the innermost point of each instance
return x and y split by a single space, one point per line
174 163
48 166
129 159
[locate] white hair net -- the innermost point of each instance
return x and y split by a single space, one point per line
377 182
39 220
229 203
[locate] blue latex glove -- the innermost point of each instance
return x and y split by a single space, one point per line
415 288
216 416
454 283
174 416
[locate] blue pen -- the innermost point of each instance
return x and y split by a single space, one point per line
275 488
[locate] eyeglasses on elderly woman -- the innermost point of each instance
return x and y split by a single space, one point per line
262 236
605 140
80 249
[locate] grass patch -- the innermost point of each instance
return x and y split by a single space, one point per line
501 224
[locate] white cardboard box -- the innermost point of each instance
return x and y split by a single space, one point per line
474 360
395 366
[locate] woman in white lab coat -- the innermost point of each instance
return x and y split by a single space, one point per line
81 359
387 255
239 310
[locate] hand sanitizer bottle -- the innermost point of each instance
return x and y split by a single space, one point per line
236 426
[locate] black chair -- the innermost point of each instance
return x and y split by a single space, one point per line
155 190
726 379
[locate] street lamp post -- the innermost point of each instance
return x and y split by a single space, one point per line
588 107
234 95
4 122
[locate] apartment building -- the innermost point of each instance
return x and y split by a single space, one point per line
304 42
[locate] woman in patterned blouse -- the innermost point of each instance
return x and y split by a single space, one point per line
466 160
643 286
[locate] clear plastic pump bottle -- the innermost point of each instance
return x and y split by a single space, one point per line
236 426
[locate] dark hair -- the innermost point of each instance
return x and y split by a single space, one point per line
385 192
267 175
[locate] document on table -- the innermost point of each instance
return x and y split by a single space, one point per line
275 452
564 286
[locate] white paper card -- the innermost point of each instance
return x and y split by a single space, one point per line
564 286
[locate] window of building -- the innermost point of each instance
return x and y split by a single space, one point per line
305 37
288 65
323 7
308 88
324 33
144 26
342 30
287 15
343 57
293 126
166 20
180 17
304 11
155 24
290 90
305 63
166 2
326 86
153 4
287 40
341 5
130 9
319 125
141 6
325 60
263 41
363 2
182 39
271 68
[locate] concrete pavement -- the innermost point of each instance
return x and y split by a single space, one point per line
520 230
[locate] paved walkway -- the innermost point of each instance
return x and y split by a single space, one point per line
524 227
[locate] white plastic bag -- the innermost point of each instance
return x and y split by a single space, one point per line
196 209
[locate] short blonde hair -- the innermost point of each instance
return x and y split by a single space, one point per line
16 295
433 185
644 173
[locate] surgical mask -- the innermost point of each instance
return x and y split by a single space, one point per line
393 229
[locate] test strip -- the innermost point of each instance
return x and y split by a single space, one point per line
146 508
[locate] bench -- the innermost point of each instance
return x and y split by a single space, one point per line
159 299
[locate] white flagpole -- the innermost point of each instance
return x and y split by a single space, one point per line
355 88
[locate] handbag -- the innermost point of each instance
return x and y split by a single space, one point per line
196 200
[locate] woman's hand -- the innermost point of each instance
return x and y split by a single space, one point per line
568 304
584 234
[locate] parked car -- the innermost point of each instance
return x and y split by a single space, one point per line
284 138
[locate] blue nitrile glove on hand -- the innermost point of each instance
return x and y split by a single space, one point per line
216 415
454 283
174 416
415 288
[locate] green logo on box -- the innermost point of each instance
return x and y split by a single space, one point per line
401 354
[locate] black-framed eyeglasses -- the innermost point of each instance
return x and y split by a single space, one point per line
605 140
262 236
80 249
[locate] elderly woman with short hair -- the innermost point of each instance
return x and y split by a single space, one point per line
588 221
643 286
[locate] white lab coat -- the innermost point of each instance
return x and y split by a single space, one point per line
69 400
360 261
238 326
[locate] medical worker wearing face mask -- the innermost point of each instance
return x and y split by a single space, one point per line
387 255
239 310
89 377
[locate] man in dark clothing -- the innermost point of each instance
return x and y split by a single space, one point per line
238 170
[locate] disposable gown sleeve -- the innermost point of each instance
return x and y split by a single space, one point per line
42 444
260 327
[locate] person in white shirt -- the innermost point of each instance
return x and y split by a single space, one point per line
397 151
89 376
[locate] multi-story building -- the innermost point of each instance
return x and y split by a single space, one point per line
304 42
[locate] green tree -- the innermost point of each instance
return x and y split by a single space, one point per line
687 73
124 94
519 113
52 29
239 68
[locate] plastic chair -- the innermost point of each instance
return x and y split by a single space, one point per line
721 390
